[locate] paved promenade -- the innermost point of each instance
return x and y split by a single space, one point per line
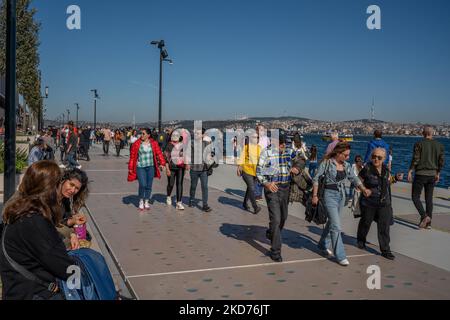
170 254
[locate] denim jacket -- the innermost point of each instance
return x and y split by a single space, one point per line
330 175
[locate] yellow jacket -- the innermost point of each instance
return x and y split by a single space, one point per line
249 159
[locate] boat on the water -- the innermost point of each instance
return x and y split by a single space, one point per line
343 137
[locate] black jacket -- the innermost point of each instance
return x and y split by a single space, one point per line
379 184
34 243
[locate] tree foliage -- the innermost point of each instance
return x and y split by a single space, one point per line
28 78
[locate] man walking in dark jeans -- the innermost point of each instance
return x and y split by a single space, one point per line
199 167
427 162
274 172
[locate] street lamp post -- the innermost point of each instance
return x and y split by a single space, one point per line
78 108
10 102
63 115
162 57
68 115
42 110
96 96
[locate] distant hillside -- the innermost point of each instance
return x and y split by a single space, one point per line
366 121
278 118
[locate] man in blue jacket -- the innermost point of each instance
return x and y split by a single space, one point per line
377 142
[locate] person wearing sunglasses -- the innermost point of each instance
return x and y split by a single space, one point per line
336 170
378 205
146 163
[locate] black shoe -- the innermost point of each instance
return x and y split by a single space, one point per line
206 209
388 255
276 257
246 208
361 245
191 204
268 235
258 209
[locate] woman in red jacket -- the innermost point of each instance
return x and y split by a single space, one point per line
145 158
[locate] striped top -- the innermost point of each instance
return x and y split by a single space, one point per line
145 158
274 166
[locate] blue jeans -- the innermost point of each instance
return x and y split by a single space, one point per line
331 236
312 169
71 159
258 189
145 177
203 176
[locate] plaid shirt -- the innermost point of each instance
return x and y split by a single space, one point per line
275 167
145 158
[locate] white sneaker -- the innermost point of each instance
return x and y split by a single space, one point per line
169 201
141 204
327 252
79 167
344 262
62 166
180 206
147 205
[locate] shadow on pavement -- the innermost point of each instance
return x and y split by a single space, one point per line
235 192
133 199
345 238
254 234
231 202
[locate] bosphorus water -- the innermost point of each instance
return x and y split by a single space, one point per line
401 154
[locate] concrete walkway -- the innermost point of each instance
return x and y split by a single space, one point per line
170 254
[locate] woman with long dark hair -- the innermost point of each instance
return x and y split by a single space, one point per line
336 171
313 164
146 161
73 192
30 237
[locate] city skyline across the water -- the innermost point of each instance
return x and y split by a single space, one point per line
316 60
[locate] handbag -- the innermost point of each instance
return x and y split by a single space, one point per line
318 214
356 206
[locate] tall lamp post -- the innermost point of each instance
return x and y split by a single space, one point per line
96 96
78 108
68 115
41 110
10 101
162 57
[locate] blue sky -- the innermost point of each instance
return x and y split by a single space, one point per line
313 58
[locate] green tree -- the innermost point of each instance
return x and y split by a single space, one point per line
28 80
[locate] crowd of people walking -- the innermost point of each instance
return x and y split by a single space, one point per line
49 201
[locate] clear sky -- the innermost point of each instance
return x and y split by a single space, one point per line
309 58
